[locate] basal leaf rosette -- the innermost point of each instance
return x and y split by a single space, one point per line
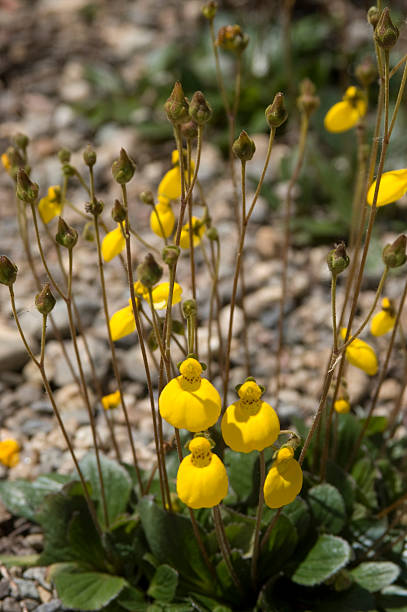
190 401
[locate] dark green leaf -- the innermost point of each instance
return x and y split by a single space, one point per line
279 547
374 576
329 555
364 472
133 600
377 424
337 477
23 498
243 473
328 507
164 584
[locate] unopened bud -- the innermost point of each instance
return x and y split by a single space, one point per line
95 207
170 254
21 141
373 16
123 168
8 271
232 38
276 112
209 10
176 106
212 234
307 101
199 109
66 235
394 255
386 33
118 212
189 130
337 259
89 156
189 308
147 197
366 72
64 156
68 170
14 157
45 301
149 272
88 232
27 191
244 147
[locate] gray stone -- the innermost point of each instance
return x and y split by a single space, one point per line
52 606
33 426
38 574
13 354
31 604
11 605
4 588
99 353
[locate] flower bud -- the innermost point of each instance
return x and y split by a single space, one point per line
123 168
386 33
209 9
27 191
68 170
232 38
212 233
176 106
394 255
147 197
307 101
8 271
149 272
189 130
276 112
170 254
189 308
199 109
88 232
95 207
118 212
89 156
14 157
21 141
373 16
66 235
337 259
45 301
244 147
366 72
64 156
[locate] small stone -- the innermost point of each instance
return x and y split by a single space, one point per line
45 595
52 606
11 605
268 241
238 320
4 588
13 354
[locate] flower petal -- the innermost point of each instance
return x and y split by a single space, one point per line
113 244
342 116
170 185
122 323
393 185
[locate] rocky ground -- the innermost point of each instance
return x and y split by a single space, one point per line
42 60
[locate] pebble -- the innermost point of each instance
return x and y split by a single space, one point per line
13 354
26 588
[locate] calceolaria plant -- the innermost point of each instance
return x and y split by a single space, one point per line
236 513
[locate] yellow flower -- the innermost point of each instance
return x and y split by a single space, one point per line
5 160
342 406
361 355
198 230
202 481
250 424
122 323
189 401
51 206
160 295
140 290
111 401
162 218
113 243
9 454
384 320
284 480
344 115
393 185
170 185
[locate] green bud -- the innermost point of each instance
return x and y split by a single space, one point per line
176 106
152 341
232 38
170 254
199 109
123 168
209 9
212 234
118 212
394 255
189 308
386 33
307 101
89 156
276 112
189 130
147 197
244 147
88 233
45 301
27 191
21 141
373 16
95 207
64 156
149 272
8 271
366 72
66 235
337 259
14 156
68 170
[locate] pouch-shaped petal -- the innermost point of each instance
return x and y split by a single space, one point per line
122 323
161 292
342 406
393 185
162 220
382 323
341 117
284 480
361 355
170 185
9 455
113 244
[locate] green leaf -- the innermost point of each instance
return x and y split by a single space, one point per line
299 515
377 424
337 477
23 498
117 485
80 589
243 473
328 556
20 560
393 598
364 472
328 507
374 576
164 584
133 600
172 540
85 542
279 547
349 429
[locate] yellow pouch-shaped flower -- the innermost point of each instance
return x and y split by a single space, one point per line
122 323
344 115
342 406
190 401
51 206
5 160
284 480
111 401
198 230
361 355
9 455
202 480
113 244
250 424
393 185
170 185
384 320
162 220
161 292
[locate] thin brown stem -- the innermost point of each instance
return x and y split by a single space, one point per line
256 547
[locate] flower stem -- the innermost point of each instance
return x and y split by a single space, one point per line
256 547
224 545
